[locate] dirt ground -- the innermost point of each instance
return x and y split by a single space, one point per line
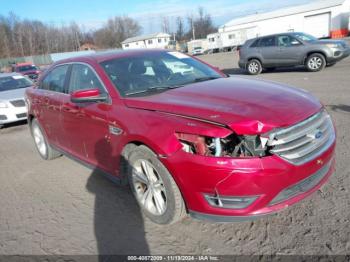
61 207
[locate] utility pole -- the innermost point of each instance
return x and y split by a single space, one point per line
193 31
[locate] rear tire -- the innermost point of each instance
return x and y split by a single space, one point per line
154 188
254 67
315 62
41 144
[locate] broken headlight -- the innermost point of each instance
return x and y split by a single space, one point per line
230 146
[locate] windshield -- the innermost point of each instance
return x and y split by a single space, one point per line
305 37
157 72
14 82
27 68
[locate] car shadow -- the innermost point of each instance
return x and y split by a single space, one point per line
118 222
339 108
234 71
14 124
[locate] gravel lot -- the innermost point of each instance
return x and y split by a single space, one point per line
61 207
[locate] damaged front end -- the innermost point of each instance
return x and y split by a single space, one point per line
230 146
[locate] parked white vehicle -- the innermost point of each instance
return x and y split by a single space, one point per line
197 50
12 104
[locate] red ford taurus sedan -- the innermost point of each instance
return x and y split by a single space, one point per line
187 138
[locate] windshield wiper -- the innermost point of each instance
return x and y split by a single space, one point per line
205 78
152 89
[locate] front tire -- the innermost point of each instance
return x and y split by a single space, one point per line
154 188
41 144
315 62
254 67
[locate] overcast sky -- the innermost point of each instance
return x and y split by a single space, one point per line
92 14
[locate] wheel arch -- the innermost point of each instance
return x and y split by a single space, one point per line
315 52
255 58
124 165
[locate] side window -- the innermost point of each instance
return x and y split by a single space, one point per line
55 80
255 43
286 41
82 77
267 42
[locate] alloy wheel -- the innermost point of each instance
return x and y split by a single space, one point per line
149 187
39 140
315 63
253 67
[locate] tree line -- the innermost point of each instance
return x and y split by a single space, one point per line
27 37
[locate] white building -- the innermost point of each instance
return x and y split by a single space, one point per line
325 18
158 40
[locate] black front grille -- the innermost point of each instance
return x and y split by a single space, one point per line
21 115
18 103
3 117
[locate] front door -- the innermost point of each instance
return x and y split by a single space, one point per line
86 124
290 50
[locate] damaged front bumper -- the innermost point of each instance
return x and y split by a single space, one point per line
237 189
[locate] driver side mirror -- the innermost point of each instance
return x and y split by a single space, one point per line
88 96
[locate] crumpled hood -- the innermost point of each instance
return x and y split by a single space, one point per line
12 94
247 106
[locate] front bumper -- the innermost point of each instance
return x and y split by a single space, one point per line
265 177
338 54
12 114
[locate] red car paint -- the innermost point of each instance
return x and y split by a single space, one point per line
214 108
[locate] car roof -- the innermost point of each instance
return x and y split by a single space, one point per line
23 64
9 74
286 33
112 54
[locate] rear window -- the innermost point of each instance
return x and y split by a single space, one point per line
26 68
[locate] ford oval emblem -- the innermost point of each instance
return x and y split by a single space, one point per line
318 135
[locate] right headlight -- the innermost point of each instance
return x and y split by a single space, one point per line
230 146
333 45
3 104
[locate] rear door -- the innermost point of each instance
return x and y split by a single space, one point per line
268 50
51 94
86 125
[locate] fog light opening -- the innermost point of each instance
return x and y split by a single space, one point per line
230 202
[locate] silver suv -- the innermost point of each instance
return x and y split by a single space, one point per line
290 49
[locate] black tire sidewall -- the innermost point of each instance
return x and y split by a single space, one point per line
321 67
143 153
